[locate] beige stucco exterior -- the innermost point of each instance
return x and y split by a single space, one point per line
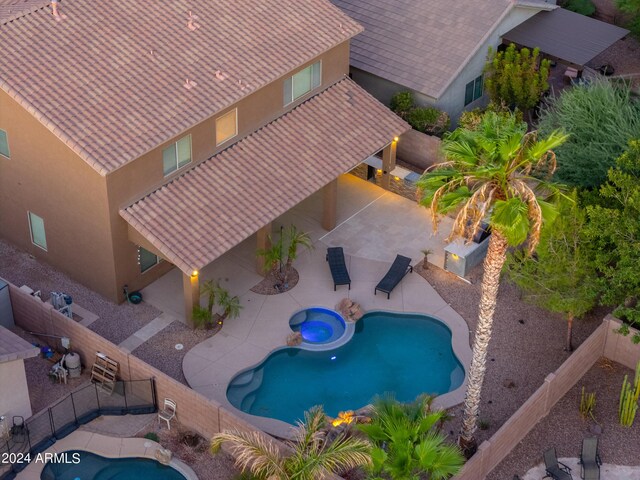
14 400
86 237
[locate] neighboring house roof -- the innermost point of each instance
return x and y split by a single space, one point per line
423 44
108 80
11 9
215 205
12 347
566 35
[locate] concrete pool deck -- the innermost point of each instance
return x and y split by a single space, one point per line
105 446
607 471
263 325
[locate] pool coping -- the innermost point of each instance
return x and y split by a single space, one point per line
459 345
105 446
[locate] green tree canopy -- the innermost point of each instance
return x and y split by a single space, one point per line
561 277
601 118
515 77
614 229
631 8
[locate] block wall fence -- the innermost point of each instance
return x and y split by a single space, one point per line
207 417
603 342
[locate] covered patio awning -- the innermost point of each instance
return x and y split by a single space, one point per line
565 35
212 207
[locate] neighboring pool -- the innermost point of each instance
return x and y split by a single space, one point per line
318 325
407 354
95 467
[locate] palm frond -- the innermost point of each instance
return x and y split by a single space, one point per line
252 451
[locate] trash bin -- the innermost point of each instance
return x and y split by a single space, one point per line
72 363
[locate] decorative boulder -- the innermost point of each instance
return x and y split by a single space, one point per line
163 455
350 310
294 339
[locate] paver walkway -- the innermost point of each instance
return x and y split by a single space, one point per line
145 333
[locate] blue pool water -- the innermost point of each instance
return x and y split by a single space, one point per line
95 467
318 325
406 354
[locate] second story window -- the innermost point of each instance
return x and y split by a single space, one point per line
176 155
473 91
226 126
302 82
4 144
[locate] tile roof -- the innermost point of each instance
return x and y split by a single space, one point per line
422 44
12 347
109 79
215 205
12 9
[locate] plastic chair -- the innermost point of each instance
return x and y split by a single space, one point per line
168 412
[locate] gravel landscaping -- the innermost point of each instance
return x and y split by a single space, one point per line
160 350
564 428
115 322
527 344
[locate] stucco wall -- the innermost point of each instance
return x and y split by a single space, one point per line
45 177
14 394
145 174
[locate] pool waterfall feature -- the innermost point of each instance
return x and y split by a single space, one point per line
407 354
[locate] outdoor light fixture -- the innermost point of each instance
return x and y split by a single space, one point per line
397 178
454 256
395 139
194 273
379 170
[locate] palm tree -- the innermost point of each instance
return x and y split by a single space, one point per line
492 173
230 305
296 239
407 440
311 456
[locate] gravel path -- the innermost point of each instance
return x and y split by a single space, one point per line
527 344
564 428
116 322
160 351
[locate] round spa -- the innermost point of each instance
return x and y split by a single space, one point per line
318 325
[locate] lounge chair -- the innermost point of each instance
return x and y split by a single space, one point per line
554 468
335 257
589 459
401 266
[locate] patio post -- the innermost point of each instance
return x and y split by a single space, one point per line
262 243
330 205
388 162
191 288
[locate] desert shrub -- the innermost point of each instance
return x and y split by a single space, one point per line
601 118
428 120
470 119
632 9
583 7
153 436
401 103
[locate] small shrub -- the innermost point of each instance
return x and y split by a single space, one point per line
484 424
429 120
587 404
629 395
401 103
153 436
583 7
470 119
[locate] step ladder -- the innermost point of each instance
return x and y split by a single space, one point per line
104 373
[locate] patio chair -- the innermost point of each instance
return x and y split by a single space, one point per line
335 257
555 469
400 267
18 430
168 412
589 459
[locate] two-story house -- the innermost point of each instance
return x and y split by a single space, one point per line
132 132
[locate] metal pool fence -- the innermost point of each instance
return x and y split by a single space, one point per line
39 432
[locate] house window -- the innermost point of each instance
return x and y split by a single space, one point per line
226 126
473 91
36 226
146 259
302 82
176 155
4 144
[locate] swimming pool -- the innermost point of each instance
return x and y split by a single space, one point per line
94 467
407 354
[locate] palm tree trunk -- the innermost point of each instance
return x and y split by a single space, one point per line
493 263
568 346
